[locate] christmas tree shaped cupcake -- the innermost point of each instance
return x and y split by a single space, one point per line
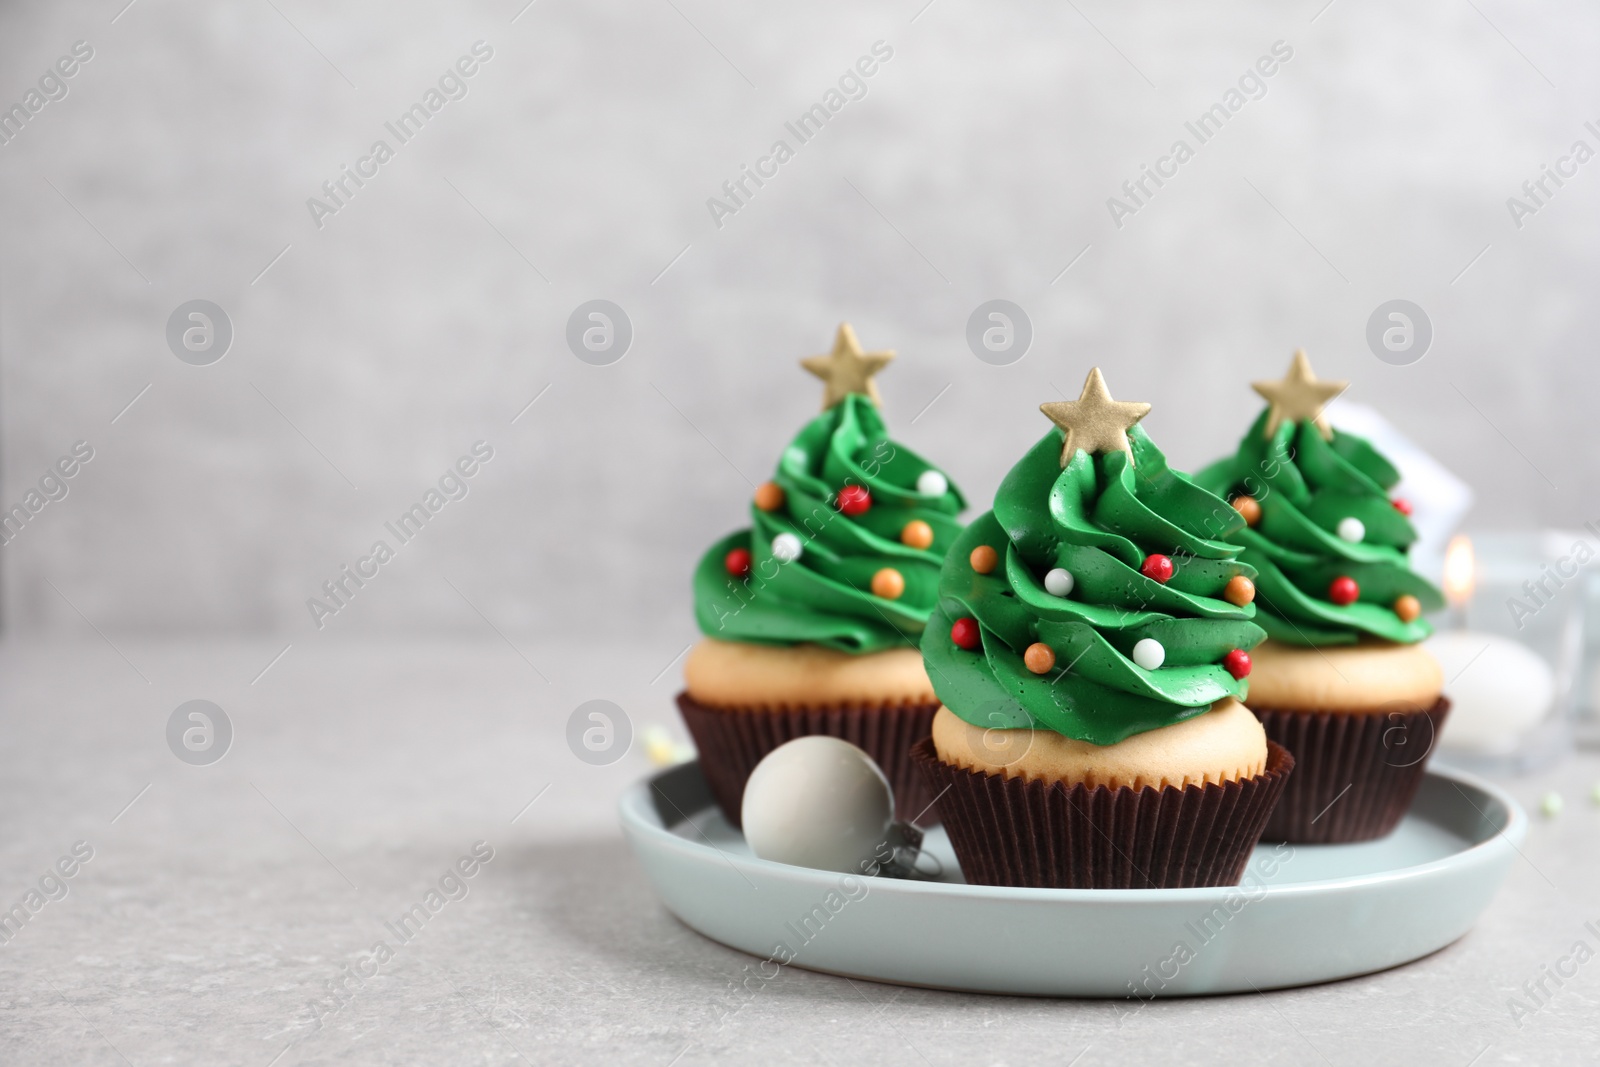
1342 680
812 615
1090 650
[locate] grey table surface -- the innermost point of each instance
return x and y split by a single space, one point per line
221 902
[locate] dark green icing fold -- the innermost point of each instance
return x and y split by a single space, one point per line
1306 486
1098 518
825 596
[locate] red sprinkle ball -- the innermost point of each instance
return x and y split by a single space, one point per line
1343 590
854 499
1237 663
1157 568
1402 505
964 632
738 562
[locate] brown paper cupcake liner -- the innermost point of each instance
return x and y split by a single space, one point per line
733 740
1357 771
1049 835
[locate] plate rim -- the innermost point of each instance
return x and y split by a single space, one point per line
636 813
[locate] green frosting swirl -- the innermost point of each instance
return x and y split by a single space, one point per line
1098 517
1306 485
825 596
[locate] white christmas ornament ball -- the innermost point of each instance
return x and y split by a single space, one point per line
1059 581
786 548
817 802
1149 654
932 483
1352 529
1500 689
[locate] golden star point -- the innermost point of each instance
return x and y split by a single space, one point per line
1094 422
1299 395
847 369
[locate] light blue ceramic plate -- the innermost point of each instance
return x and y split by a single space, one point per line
1304 913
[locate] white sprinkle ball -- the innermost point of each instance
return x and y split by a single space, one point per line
786 548
1149 654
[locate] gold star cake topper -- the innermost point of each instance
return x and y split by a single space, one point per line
847 369
1299 395
1094 422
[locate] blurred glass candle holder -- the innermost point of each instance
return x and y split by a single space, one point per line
1586 690
1511 645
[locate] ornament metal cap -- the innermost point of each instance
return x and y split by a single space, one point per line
905 846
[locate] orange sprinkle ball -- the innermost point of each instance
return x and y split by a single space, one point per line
1039 658
1239 591
1249 507
888 583
984 559
916 534
769 496
1407 607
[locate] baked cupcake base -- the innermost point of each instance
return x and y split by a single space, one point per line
733 740
1372 676
1361 721
1223 744
1356 772
1015 831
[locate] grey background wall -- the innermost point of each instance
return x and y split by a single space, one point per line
431 308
